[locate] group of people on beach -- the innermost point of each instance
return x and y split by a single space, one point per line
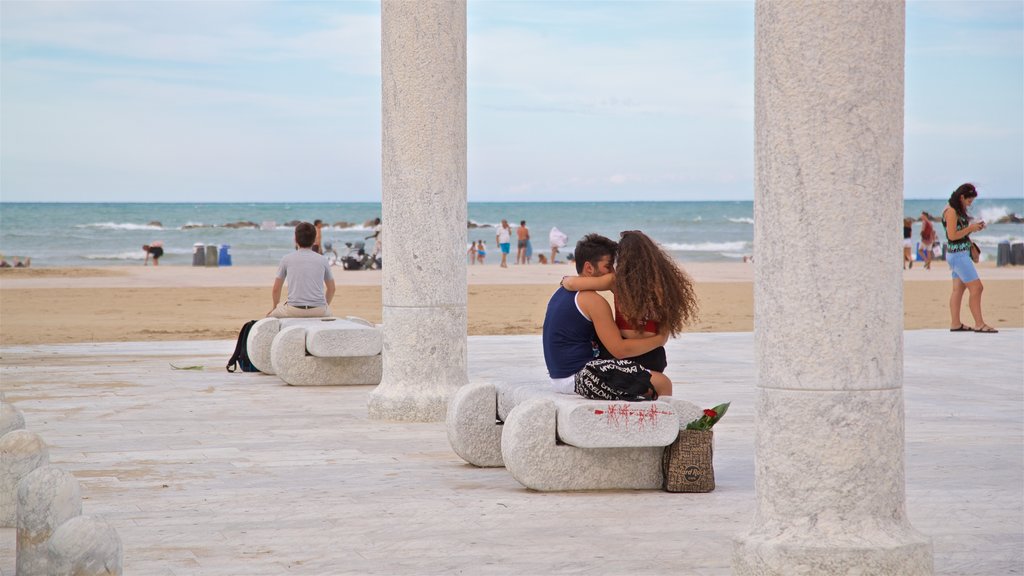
17 262
586 340
477 251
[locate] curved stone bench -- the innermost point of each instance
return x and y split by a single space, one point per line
552 441
321 355
534 457
331 336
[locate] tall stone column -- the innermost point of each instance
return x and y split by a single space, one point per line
424 208
828 293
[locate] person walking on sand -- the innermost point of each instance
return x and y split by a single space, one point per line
927 239
908 243
481 251
958 228
318 242
523 236
504 240
652 294
578 324
310 282
154 249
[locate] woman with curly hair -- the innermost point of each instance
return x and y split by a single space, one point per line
959 227
652 295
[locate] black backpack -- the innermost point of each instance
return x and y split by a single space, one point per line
241 355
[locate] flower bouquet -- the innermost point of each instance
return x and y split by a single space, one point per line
688 462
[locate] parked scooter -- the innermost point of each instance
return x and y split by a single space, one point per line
355 257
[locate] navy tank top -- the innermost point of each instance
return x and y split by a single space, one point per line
569 337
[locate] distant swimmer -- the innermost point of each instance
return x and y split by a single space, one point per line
154 249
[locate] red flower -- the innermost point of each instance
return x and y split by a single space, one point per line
710 413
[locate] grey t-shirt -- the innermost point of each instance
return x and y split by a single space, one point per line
305 272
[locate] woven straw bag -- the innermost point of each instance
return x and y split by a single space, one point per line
687 463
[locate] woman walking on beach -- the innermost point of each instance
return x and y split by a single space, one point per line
652 294
958 255
927 239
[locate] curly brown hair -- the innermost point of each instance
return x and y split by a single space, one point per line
649 285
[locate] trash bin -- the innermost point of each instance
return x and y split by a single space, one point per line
198 254
211 255
225 255
1017 254
1003 253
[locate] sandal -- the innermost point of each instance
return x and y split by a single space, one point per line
986 329
962 328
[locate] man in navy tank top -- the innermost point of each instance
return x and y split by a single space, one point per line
577 322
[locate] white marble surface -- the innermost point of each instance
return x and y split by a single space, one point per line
209 473
343 338
424 214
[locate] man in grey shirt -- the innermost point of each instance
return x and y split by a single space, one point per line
310 282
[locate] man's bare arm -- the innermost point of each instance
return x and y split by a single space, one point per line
275 292
330 290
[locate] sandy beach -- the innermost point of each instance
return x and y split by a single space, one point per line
122 304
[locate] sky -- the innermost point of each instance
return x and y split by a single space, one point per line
238 101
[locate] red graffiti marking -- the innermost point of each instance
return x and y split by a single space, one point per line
624 414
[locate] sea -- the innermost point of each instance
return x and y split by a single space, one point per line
112 234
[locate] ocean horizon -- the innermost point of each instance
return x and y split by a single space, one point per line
66 234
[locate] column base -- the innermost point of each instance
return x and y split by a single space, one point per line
424 363
906 554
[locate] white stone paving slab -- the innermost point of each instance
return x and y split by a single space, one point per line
206 472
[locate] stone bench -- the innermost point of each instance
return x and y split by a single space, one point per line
550 441
317 351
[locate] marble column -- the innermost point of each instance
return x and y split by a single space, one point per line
424 214
828 293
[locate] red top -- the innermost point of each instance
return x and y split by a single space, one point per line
623 324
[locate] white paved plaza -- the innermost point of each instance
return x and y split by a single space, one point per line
206 472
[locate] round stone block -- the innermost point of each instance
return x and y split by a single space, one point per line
21 452
47 497
10 417
473 430
85 546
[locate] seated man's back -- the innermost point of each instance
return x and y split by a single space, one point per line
310 281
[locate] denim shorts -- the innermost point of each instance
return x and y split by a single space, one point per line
962 266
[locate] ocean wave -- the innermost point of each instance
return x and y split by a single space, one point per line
707 247
119 226
994 214
984 240
133 255
741 220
